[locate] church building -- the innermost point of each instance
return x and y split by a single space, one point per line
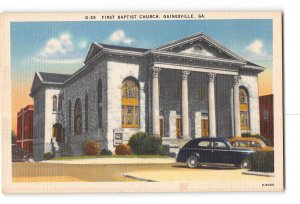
189 88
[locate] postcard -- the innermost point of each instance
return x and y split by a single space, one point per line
142 102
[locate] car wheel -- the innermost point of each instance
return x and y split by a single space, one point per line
246 164
192 161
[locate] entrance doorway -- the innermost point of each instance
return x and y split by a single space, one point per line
161 125
58 133
178 128
204 127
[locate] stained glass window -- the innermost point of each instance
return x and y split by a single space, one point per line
130 103
244 109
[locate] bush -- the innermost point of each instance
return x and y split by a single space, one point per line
48 156
135 142
91 147
264 139
263 161
123 149
105 152
152 145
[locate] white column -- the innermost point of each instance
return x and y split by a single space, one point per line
185 105
155 102
212 106
236 104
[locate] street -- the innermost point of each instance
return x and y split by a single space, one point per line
53 172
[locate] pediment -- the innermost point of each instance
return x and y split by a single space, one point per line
94 49
199 45
36 82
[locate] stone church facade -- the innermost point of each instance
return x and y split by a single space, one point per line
189 88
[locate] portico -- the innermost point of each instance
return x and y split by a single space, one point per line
185 116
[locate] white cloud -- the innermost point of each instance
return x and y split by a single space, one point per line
256 51
256 47
55 46
62 50
119 36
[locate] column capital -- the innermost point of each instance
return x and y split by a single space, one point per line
237 80
185 74
211 76
155 72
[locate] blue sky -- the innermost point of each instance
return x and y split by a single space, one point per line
62 46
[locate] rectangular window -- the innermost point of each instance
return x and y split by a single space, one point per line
130 117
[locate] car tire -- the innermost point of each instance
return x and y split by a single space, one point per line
192 161
245 164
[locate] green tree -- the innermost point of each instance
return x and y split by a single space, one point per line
13 137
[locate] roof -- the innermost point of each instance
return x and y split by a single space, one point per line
54 77
135 49
245 139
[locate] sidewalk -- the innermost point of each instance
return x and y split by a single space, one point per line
114 161
196 175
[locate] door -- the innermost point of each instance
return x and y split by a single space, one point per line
204 127
58 133
219 152
178 128
161 130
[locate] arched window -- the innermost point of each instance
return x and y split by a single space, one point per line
130 103
99 91
70 118
244 109
77 117
59 103
86 105
54 103
99 103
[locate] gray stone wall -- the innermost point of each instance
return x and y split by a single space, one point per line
223 86
86 83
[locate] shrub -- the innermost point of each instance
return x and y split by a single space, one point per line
264 139
105 152
135 142
263 161
47 156
123 149
152 145
91 147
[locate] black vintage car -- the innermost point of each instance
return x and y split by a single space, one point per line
213 151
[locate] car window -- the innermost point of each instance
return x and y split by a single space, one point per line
254 144
240 144
219 145
204 144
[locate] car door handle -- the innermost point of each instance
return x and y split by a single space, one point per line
211 150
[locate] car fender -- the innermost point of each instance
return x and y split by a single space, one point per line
196 154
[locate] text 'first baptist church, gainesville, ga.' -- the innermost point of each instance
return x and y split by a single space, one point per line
189 88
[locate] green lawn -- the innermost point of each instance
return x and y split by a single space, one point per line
111 156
